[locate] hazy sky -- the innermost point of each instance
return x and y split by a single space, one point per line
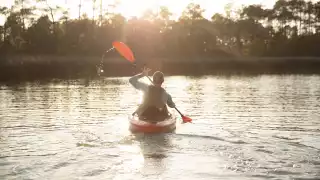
136 7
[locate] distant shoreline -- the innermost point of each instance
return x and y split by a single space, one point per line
59 58
20 68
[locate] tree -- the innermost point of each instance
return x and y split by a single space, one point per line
317 16
255 12
290 27
4 11
40 37
192 12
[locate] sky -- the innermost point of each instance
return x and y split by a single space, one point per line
136 7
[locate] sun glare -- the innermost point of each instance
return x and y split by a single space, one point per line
131 8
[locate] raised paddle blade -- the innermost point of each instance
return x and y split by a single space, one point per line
124 50
186 119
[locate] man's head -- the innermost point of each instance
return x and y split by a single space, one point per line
158 78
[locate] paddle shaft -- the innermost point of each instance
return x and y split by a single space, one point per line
178 111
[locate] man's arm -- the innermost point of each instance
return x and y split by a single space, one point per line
170 102
134 81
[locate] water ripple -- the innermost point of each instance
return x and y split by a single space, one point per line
261 127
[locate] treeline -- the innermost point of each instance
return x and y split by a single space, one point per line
290 28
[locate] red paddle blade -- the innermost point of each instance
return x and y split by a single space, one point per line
124 50
186 119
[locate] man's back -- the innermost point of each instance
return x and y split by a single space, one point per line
155 97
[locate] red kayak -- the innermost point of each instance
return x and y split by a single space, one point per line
137 125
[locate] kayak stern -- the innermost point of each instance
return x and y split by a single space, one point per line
137 125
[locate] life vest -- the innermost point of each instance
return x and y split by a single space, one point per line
155 97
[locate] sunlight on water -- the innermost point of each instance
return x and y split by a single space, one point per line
258 127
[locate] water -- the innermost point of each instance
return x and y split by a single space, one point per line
262 127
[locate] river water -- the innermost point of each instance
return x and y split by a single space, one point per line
259 127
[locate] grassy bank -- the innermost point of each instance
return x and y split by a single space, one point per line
46 67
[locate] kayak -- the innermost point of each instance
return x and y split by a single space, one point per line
137 125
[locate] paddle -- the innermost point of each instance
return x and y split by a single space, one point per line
126 52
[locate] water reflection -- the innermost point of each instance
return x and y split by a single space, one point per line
154 149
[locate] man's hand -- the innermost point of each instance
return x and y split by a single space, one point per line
145 71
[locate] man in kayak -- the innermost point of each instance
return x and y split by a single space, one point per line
154 105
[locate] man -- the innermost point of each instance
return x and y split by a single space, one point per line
153 107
